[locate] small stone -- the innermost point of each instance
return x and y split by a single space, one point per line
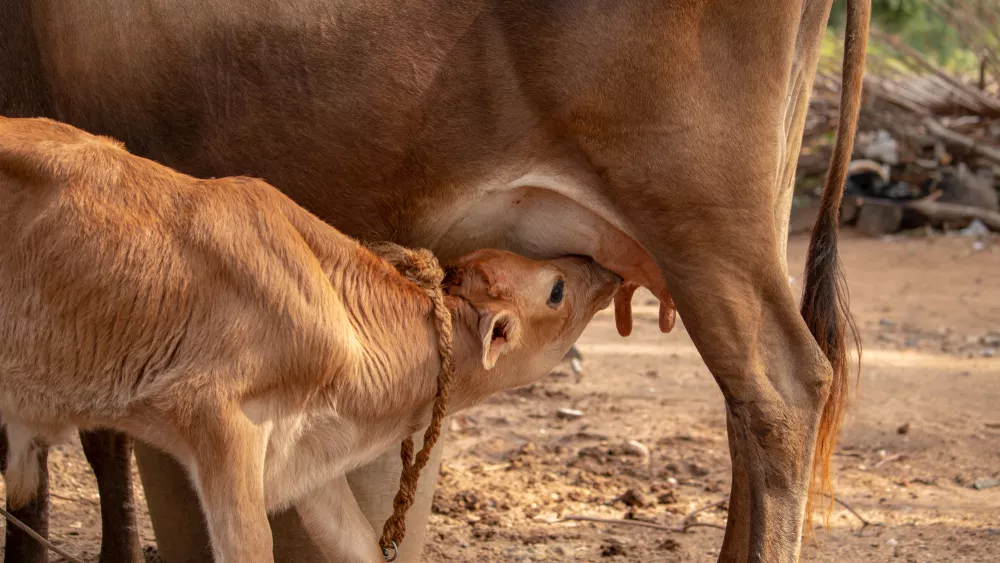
573 352
698 470
461 423
904 429
892 542
636 498
669 545
975 229
576 366
533 539
612 548
637 448
569 414
467 499
886 322
668 497
983 484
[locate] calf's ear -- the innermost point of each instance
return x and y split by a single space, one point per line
498 330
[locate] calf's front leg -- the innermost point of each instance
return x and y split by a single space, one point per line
335 523
227 470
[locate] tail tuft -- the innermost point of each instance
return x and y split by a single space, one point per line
824 298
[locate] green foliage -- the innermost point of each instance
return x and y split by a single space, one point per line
892 15
919 26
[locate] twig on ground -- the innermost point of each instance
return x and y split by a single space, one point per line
621 521
888 459
688 521
684 526
864 522
690 525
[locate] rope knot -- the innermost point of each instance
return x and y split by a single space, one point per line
418 265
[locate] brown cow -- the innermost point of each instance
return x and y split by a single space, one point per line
658 136
223 323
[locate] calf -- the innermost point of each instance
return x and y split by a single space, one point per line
219 321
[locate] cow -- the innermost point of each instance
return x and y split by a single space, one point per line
659 137
264 349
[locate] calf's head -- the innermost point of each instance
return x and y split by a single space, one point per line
520 316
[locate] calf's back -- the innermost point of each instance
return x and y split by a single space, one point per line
210 269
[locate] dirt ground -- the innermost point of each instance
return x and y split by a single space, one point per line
917 459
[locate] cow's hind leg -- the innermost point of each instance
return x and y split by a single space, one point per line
19 547
739 310
110 455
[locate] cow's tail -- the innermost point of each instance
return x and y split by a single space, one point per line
23 472
824 299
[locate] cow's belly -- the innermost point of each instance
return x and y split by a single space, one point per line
543 222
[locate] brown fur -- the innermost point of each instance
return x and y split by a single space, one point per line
658 137
221 322
23 91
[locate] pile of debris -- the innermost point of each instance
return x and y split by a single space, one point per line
927 151
940 180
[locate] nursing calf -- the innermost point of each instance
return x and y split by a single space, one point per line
222 323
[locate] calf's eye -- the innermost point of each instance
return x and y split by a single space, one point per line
556 297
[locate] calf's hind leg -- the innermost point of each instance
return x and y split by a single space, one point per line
18 546
110 456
